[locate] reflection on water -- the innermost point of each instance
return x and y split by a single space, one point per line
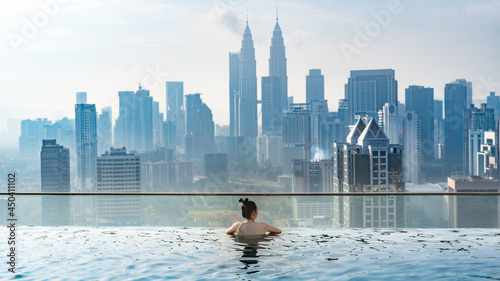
250 246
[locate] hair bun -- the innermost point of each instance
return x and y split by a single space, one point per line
243 200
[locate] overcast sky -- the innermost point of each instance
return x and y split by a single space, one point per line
50 51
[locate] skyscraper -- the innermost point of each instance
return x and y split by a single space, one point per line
455 105
344 118
494 103
54 160
203 135
421 100
169 131
234 92
134 126
193 104
412 148
296 128
55 175
32 133
124 126
477 122
391 122
277 63
248 89
271 105
86 146
118 171
104 130
157 124
369 90
315 85
438 128
144 116
175 108
200 138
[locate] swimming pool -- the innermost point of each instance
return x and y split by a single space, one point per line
201 253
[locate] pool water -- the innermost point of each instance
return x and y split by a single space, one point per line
151 253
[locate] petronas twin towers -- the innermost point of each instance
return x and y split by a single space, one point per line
243 87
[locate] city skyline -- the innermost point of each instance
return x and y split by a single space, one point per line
63 50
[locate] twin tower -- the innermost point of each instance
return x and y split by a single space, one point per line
243 88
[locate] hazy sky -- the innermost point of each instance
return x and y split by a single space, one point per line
49 50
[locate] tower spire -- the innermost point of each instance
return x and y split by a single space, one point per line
276 13
247 16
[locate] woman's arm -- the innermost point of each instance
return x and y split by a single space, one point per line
233 228
272 229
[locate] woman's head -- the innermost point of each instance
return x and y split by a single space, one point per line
248 208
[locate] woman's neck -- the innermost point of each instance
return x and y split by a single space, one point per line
249 220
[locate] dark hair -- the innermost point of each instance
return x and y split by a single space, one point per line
247 208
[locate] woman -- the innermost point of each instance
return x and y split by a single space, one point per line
249 226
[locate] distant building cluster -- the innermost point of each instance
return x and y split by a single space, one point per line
372 143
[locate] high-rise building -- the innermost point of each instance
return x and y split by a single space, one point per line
199 127
86 146
390 121
234 93
271 105
157 124
55 175
370 163
134 126
169 137
344 118
62 130
438 128
421 100
494 103
277 63
296 128
55 170
412 148
124 125
104 130
369 90
477 122
203 135
455 106
144 116
315 85
175 108
487 157
248 89
81 97
118 171
32 133
193 104
321 137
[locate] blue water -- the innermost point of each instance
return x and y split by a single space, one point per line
149 253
